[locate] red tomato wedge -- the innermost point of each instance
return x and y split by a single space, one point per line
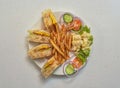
76 24
77 63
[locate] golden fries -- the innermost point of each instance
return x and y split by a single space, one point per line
57 48
60 40
56 55
70 42
53 51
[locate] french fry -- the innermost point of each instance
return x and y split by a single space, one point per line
67 40
66 45
58 40
63 34
62 61
57 27
57 48
62 47
54 39
60 58
53 33
56 56
66 54
70 42
53 51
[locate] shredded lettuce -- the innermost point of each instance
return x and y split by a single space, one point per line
83 54
81 57
84 28
91 40
86 52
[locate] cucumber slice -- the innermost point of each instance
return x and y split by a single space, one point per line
69 69
67 18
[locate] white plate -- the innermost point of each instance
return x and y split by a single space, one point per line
41 62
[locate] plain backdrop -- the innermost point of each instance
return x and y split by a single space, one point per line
103 68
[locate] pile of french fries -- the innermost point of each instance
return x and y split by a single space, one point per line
61 41
60 37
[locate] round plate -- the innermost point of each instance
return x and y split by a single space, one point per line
41 62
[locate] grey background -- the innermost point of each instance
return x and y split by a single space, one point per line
103 68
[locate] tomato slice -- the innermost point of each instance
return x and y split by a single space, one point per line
76 24
77 63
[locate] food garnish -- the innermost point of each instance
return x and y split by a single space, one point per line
76 24
67 18
69 69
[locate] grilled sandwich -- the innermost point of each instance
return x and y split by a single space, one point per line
40 51
39 36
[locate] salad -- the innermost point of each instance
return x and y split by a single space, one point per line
57 40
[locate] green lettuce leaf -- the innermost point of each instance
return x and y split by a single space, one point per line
91 40
84 28
83 54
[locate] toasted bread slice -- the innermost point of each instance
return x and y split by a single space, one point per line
49 67
40 51
38 36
